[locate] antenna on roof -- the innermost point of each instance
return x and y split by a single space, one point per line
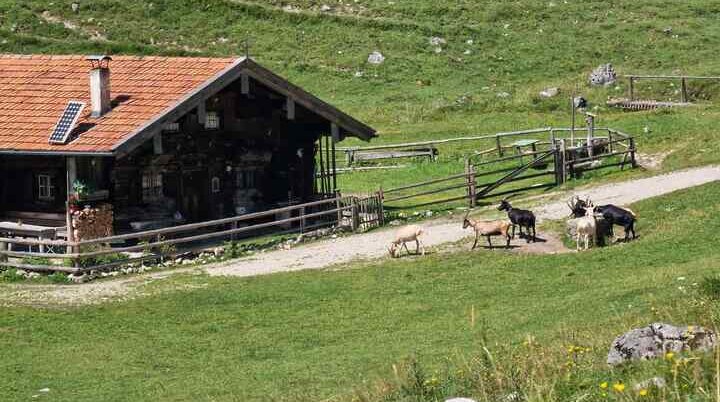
246 43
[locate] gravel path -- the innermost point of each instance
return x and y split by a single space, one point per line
365 246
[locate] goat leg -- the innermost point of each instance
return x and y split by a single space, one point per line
489 241
476 240
406 248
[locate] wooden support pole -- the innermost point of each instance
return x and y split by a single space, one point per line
290 106
322 165
334 166
683 90
381 202
633 161
355 219
499 145
631 88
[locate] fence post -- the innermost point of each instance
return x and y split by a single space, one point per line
355 219
338 205
499 145
683 90
633 162
302 220
631 88
3 247
470 179
381 206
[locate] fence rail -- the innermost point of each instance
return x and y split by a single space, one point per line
363 213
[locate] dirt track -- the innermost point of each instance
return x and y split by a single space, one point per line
366 246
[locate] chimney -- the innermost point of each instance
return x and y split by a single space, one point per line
99 84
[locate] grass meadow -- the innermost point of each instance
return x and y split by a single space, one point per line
336 334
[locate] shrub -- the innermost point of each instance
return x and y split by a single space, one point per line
58 277
11 275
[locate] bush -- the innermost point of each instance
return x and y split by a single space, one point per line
86 262
58 277
10 275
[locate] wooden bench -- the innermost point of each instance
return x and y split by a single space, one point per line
357 155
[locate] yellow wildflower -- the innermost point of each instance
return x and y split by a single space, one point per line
619 387
603 385
643 392
669 355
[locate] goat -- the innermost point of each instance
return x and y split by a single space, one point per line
586 227
615 215
407 234
577 206
522 218
488 229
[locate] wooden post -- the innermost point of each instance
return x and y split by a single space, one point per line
590 133
563 151
335 138
499 145
355 219
631 89
381 206
338 205
683 90
610 141
3 247
633 161
71 174
302 220
572 126
472 186
322 165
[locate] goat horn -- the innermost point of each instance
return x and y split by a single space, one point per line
466 215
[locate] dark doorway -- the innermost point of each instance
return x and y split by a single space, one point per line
195 189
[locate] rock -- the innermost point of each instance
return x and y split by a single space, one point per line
580 102
503 94
44 390
325 8
437 41
78 278
658 339
460 400
32 275
549 92
395 223
218 252
75 7
667 30
376 58
603 75
428 213
656 382
358 74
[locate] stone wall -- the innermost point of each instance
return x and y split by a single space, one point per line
92 223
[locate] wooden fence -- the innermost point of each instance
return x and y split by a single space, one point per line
507 174
632 78
359 213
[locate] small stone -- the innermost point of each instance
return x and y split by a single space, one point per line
75 7
325 8
44 390
429 213
395 223
376 58
467 52
437 41
603 75
358 74
657 382
460 400
549 92
503 95
667 30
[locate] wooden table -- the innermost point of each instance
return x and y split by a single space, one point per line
24 230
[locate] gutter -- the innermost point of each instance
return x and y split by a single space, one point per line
54 153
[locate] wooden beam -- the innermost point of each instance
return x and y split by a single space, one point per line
157 144
201 113
244 84
290 105
335 132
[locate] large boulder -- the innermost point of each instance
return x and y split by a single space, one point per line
658 339
603 75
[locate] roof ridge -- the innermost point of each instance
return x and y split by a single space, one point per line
42 56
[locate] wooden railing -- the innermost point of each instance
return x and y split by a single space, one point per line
159 243
682 78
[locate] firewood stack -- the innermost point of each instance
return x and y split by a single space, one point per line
92 223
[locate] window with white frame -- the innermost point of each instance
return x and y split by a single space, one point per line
215 185
245 179
46 187
212 120
151 186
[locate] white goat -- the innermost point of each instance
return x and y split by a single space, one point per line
586 227
404 235
488 229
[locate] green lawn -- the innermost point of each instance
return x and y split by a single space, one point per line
317 335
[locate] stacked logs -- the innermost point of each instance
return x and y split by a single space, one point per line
92 223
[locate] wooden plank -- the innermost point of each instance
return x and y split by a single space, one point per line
425 183
428 192
290 106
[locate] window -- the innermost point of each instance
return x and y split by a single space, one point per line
245 179
171 127
46 187
215 185
212 121
151 186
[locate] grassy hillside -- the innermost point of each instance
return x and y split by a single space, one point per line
313 336
423 91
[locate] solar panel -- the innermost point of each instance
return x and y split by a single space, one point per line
67 122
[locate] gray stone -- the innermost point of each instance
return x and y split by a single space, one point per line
655 382
503 94
658 339
376 58
325 8
603 75
75 7
549 92
437 41
460 400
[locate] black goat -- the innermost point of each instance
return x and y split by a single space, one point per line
618 216
577 207
520 217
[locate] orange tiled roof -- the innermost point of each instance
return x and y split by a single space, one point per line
34 91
